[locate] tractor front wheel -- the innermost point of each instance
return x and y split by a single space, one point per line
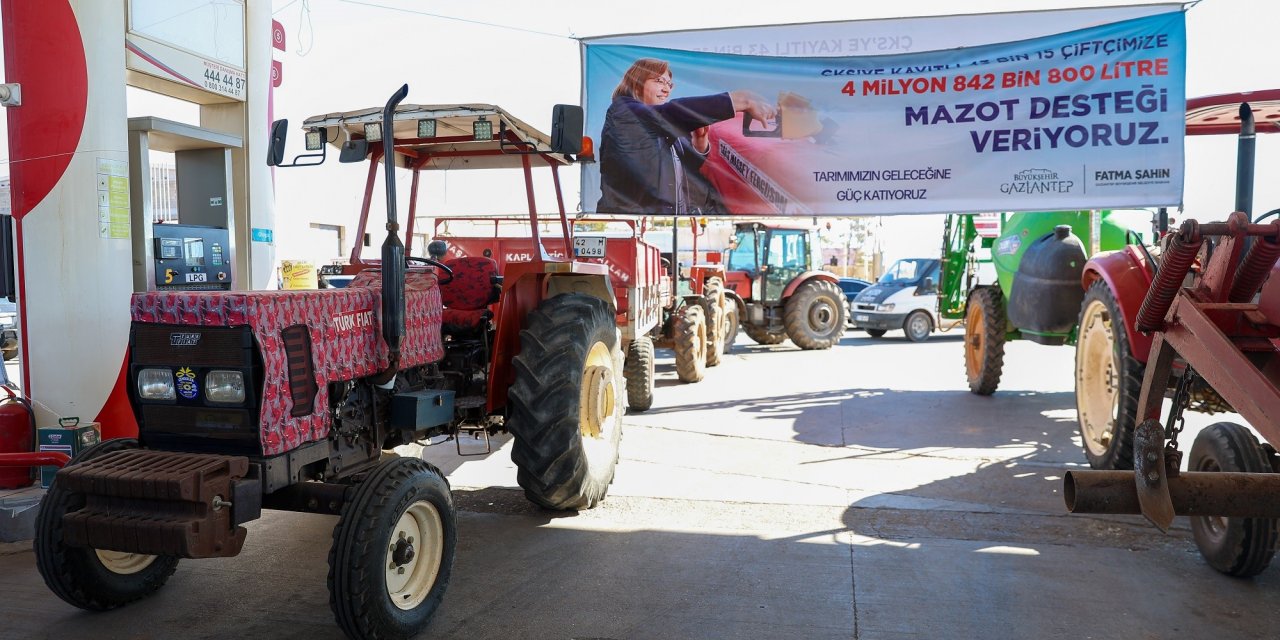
876 333
689 332
638 370
92 579
713 311
730 324
567 402
392 551
1240 547
1108 382
815 315
984 332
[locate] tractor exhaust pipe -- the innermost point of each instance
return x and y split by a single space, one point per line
392 249
1194 493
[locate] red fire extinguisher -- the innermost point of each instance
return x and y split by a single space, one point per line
17 435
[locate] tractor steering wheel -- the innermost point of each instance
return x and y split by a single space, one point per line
432 262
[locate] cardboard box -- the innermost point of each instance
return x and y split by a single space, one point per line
70 437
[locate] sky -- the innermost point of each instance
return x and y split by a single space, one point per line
450 52
451 60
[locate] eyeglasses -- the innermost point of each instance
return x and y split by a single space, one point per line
662 80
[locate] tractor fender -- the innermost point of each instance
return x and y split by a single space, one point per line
1128 275
596 285
805 277
737 300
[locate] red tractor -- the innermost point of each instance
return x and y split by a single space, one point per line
774 278
1111 354
290 399
1200 322
654 308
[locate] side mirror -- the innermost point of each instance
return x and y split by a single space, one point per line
566 129
275 152
354 151
317 140
928 286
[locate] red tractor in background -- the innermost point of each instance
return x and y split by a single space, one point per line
775 280
654 308
1198 318
289 400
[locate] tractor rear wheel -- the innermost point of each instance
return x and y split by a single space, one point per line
1108 381
762 335
984 333
713 311
392 551
815 315
689 333
1240 547
730 324
567 402
638 371
92 579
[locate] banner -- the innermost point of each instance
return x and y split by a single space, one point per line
1088 119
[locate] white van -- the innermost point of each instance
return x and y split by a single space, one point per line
905 297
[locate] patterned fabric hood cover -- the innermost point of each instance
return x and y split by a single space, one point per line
346 339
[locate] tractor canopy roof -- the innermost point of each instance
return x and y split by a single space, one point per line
1220 114
776 224
451 141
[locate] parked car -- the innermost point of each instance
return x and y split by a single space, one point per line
905 297
851 288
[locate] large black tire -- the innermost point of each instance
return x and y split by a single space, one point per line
876 333
88 578
567 402
638 371
984 333
731 320
815 315
392 552
917 326
1108 381
713 311
762 335
689 334
1240 547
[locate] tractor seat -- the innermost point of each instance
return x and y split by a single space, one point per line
475 285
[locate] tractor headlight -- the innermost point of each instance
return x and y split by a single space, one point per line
224 387
156 384
885 307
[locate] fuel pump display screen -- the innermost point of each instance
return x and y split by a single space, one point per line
193 249
170 249
191 257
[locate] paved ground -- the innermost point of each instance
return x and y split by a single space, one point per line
859 492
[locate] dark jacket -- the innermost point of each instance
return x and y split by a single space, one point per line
647 163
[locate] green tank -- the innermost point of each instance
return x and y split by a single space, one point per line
972 293
1019 230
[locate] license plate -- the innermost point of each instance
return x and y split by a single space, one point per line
197 277
588 247
861 318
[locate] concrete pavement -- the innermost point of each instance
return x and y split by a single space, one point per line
860 492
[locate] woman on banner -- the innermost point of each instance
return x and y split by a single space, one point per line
652 147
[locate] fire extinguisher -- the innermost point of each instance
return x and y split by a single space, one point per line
17 435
